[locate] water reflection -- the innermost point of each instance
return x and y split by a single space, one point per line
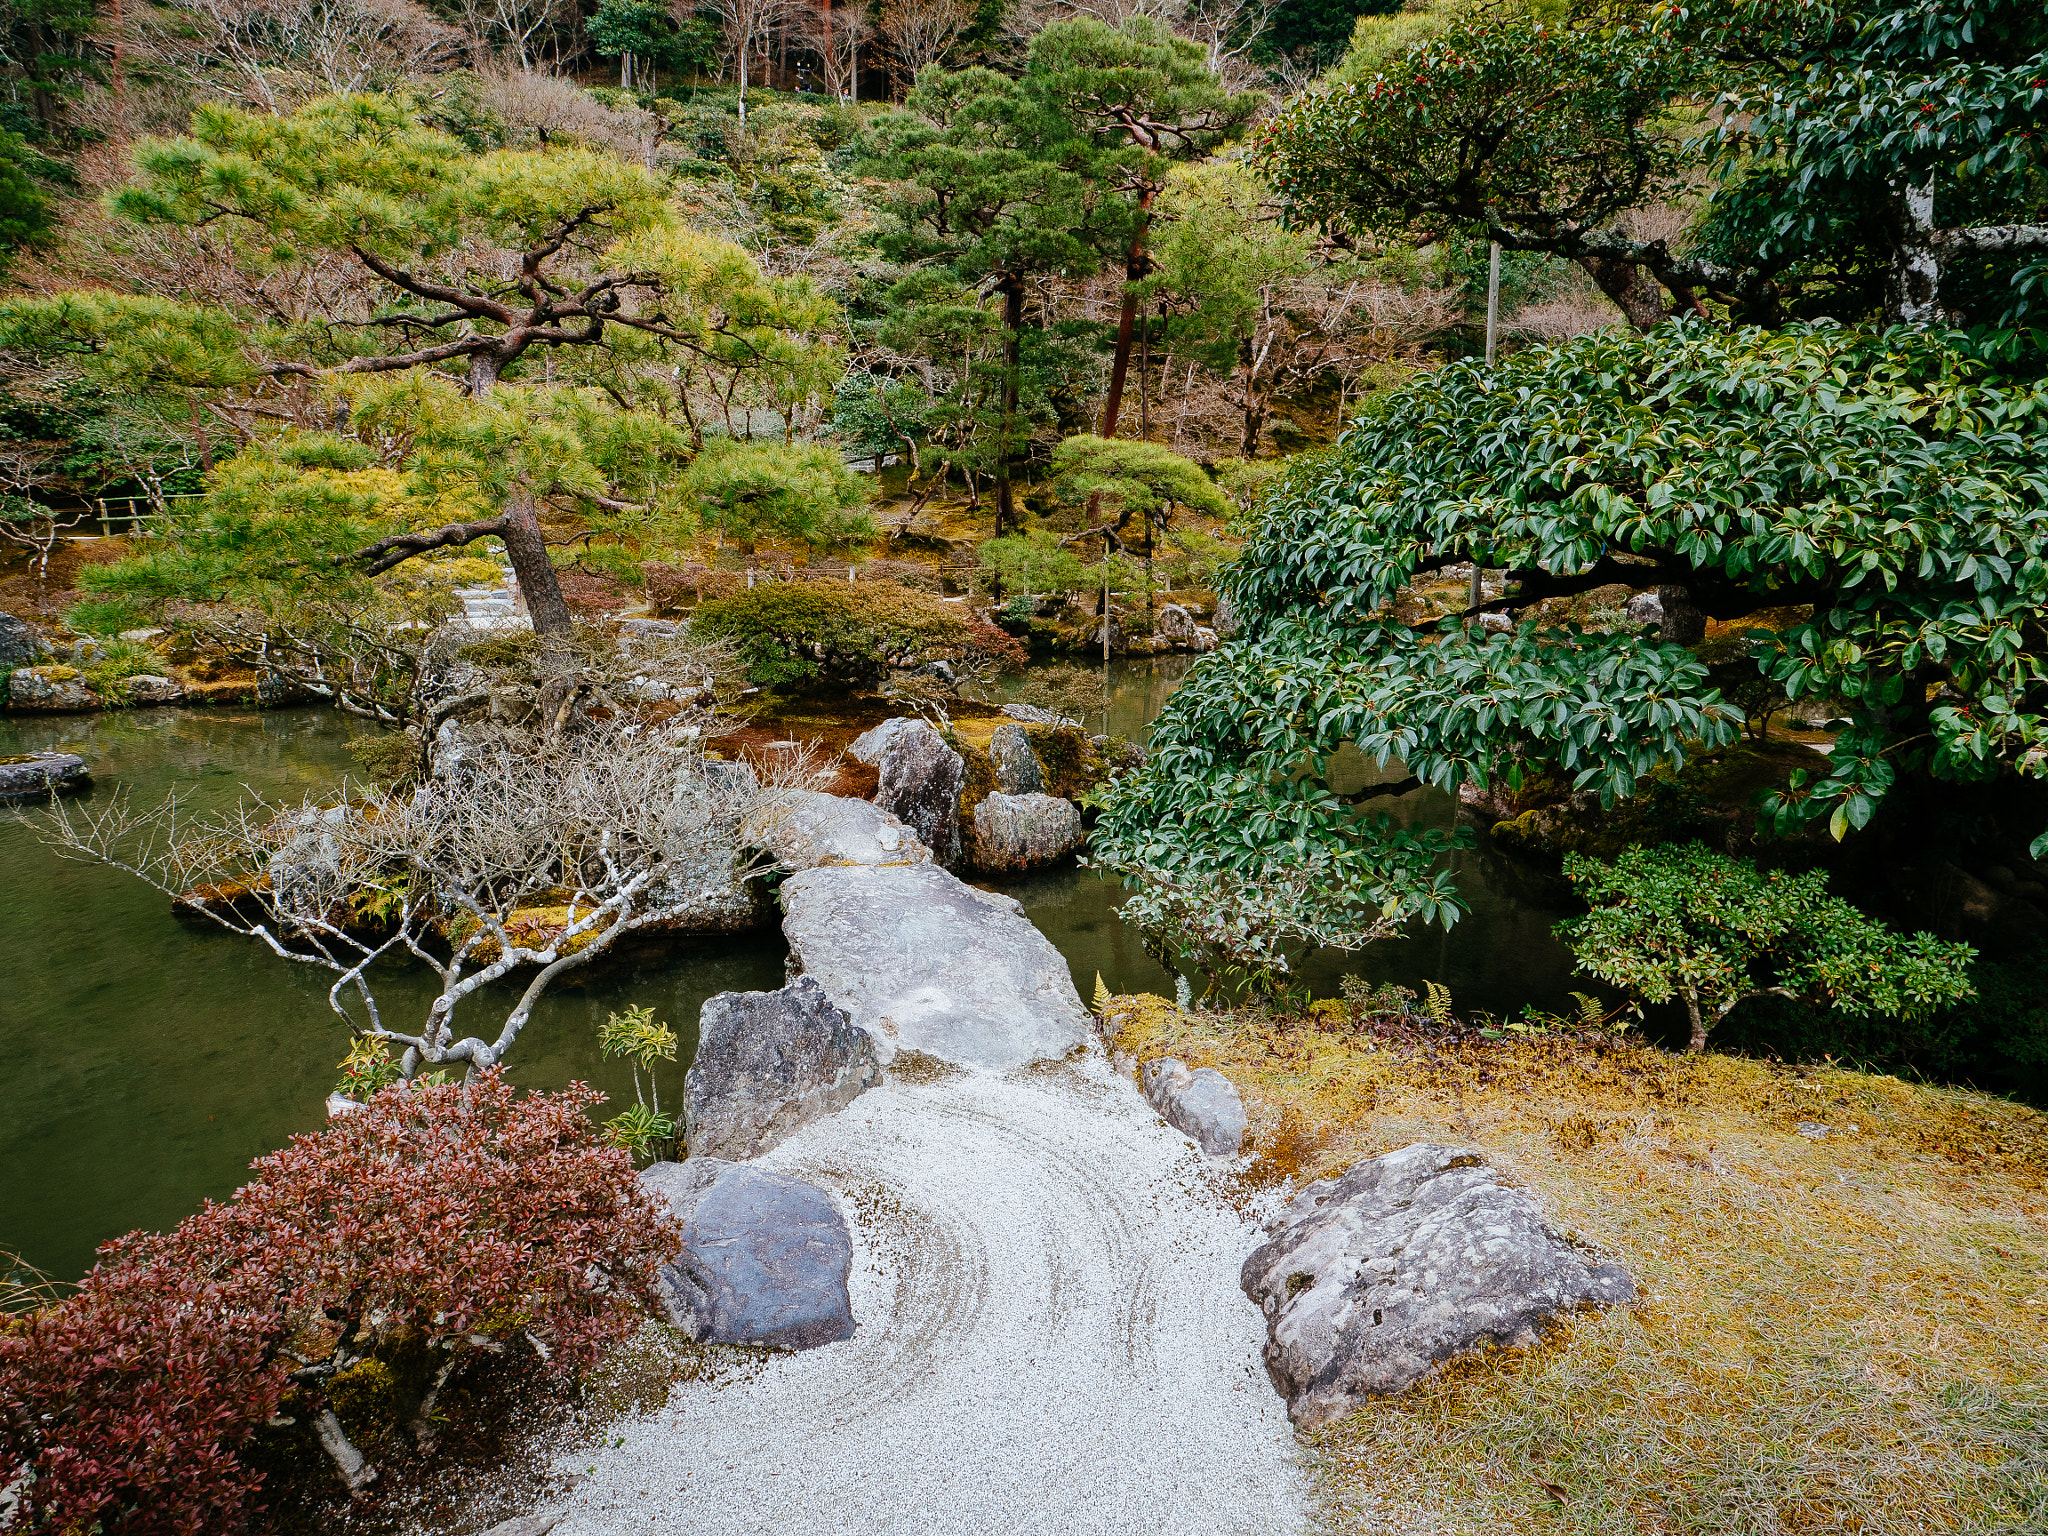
148 1060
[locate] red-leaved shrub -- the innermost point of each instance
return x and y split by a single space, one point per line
449 1218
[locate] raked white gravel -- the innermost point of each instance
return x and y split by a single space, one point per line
1051 1340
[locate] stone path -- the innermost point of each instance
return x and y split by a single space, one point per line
1051 1340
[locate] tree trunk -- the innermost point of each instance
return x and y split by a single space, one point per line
537 579
1914 287
355 1469
1013 334
484 368
1254 401
1698 1043
1135 266
1684 624
1638 295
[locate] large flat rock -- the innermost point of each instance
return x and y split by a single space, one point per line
805 829
924 962
1375 1279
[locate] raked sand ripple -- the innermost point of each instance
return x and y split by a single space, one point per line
1051 1340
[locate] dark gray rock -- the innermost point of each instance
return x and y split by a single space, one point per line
805 829
1016 832
765 1256
36 775
1016 765
276 691
925 962
21 645
1645 608
1374 1279
768 1062
1202 1105
921 778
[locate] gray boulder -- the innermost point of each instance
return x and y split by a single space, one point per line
1374 1279
765 1257
1175 625
1016 765
1645 608
50 688
805 829
1202 1105
276 691
150 689
21 645
768 1062
924 962
920 785
869 746
1226 615
35 775
1016 832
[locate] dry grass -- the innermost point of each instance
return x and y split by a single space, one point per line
1847 1334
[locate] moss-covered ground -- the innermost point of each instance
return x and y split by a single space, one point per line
1847 1333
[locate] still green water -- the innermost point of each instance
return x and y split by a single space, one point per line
147 1060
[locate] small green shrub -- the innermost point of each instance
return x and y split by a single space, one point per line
118 661
823 635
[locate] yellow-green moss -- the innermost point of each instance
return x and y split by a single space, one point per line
1834 1334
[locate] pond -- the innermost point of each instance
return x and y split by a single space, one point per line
148 1060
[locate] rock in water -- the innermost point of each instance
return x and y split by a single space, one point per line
1016 765
148 688
1374 1279
51 688
37 774
1202 1104
805 829
921 782
1175 625
768 1062
765 1256
926 963
1014 832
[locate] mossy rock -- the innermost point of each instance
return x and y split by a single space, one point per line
1067 758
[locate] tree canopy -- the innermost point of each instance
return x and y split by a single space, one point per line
1893 482
1866 157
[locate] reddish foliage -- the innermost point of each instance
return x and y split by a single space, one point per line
131 1399
459 1215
